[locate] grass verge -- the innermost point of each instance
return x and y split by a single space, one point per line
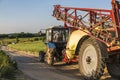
7 66
34 46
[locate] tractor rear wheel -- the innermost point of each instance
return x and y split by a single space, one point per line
49 56
91 64
41 56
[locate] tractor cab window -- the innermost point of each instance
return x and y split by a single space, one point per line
57 36
48 37
60 35
66 34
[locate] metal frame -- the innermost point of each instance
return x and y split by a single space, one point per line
104 25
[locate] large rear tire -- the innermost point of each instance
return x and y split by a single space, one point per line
114 70
91 64
49 56
114 67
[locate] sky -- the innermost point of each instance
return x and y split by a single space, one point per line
32 15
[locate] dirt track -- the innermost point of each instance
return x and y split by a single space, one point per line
34 70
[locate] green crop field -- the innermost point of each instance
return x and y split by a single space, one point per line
34 46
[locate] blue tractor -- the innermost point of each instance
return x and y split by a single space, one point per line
56 40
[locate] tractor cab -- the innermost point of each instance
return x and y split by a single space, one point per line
56 40
57 34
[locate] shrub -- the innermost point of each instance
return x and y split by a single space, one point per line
36 39
7 66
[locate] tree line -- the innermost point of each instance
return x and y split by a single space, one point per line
21 35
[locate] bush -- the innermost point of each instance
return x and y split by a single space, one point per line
7 66
36 39
42 38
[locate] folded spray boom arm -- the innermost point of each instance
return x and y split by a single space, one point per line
99 23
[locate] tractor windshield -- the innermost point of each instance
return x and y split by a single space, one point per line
60 35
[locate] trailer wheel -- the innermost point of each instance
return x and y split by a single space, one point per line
91 64
114 66
49 56
114 70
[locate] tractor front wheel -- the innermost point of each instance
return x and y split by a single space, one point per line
49 56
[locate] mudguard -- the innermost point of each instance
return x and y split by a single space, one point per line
73 41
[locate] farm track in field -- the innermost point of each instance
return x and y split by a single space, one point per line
32 69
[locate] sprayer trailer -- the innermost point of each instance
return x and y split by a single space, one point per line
94 37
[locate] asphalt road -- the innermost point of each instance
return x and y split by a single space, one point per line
34 70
